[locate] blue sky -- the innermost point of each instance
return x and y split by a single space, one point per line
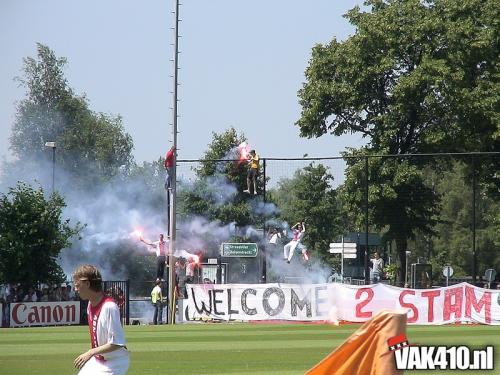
241 65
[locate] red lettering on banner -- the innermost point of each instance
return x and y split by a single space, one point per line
431 294
36 313
359 306
470 301
411 306
15 316
46 317
455 307
57 313
33 316
70 309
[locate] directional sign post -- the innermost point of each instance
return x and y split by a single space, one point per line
239 250
349 256
489 275
447 272
348 251
337 248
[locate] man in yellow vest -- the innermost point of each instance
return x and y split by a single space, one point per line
157 301
253 170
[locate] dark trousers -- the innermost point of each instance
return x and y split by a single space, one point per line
160 266
158 315
375 277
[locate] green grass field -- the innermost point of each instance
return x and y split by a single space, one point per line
213 348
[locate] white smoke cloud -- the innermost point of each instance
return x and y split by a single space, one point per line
113 213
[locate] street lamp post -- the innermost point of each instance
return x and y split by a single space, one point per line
52 145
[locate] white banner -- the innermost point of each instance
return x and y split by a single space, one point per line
23 314
330 302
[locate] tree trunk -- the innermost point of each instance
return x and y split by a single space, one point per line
401 246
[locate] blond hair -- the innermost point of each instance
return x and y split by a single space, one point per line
91 274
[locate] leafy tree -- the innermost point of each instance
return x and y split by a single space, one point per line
224 147
217 193
309 197
32 234
416 77
455 239
90 146
400 202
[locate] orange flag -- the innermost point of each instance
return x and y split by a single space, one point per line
366 351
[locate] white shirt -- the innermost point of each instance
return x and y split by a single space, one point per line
110 330
274 238
378 265
298 235
30 297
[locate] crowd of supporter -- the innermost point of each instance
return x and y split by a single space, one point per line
12 293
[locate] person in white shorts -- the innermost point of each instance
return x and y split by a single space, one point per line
298 233
108 354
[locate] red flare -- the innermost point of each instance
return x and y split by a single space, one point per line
244 150
137 233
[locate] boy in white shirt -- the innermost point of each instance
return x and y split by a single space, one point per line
108 354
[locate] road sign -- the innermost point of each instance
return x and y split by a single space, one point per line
447 271
239 250
490 274
339 251
349 256
347 249
345 245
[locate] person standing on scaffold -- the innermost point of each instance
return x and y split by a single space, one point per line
299 230
253 170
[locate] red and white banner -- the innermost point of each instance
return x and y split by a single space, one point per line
331 302
24 314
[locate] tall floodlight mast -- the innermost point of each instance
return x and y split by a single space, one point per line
173 183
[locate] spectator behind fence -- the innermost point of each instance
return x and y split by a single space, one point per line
71 293
20 294
45 294
30 296
64 293
377 268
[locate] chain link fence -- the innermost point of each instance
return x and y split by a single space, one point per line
440 209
